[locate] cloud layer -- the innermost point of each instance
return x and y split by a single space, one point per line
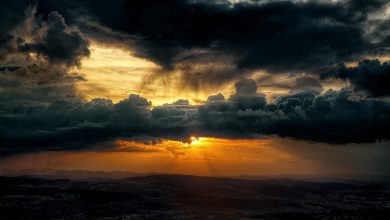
333 117
277 36
369 76
214 42
58 44
209 42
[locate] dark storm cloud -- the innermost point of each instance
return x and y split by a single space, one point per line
216 98
306 84
35 90
333 117
24 31
59 45
246 96
246 87
12 14
278 36
370 76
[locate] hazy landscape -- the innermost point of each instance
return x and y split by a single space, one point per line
192 197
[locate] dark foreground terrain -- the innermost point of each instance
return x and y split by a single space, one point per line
190 197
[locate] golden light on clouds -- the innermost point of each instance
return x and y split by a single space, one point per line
114 73
196 140
109 56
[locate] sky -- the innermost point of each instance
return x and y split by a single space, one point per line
197 87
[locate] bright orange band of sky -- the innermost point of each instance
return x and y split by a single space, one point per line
213 156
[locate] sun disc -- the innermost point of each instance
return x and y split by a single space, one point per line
194 140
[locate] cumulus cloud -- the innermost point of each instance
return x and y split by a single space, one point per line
369 76
25 30
59 44
216 98
38 100
246 87
246 96
14 14
333 117
181 102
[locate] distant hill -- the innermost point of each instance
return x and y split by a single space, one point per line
191 197
116 175
71 174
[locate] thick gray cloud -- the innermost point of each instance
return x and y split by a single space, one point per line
13 14
333 117
306 84
24 31
37 94
246 87
246 96
59 44
369 76
278 36
216 98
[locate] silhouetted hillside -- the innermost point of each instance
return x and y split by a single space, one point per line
191 197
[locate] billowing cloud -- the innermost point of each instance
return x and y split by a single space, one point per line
369 76
246 96
216 98
25 32
13 14
277 36
206 44
58 44
333 117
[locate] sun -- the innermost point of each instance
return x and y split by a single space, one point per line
194 140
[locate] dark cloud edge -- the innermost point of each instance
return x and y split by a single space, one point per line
332 117
279 37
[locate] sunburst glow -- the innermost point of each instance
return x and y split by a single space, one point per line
195 140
